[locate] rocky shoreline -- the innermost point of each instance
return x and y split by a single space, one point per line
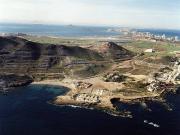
112 109
104 103
9 81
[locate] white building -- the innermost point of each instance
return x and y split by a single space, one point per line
149 50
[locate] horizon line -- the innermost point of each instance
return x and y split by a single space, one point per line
88 25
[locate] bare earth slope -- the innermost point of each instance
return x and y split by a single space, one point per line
21 56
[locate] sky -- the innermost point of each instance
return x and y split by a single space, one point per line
125 13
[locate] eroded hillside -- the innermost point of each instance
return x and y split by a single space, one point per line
46 61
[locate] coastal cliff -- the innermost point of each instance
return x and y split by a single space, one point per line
8 81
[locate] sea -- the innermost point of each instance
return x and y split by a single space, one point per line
58 30
28 111
75 30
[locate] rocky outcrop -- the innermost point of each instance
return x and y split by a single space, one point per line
114 77
11 80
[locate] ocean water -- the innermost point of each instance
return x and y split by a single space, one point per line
57 30
26 111
74 31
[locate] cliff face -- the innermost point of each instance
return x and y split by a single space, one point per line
11 80
20 56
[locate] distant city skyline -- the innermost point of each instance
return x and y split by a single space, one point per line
125 13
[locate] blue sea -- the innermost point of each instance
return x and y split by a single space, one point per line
74 31
58 30
27 111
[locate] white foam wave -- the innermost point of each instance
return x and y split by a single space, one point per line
151 123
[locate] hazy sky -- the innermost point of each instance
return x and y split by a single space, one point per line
133 13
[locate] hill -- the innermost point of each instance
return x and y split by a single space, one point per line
113 51
20 56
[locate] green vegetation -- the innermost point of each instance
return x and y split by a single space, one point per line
164 51
136 85
61 40
90 70
161 48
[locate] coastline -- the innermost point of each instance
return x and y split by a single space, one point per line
105 105
121 81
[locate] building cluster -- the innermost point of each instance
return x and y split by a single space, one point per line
87 98
149 36
163 80
100 92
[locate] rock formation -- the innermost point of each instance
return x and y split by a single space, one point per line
11 80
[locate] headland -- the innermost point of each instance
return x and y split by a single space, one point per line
97 72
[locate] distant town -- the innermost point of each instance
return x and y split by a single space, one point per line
136 35
153 37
